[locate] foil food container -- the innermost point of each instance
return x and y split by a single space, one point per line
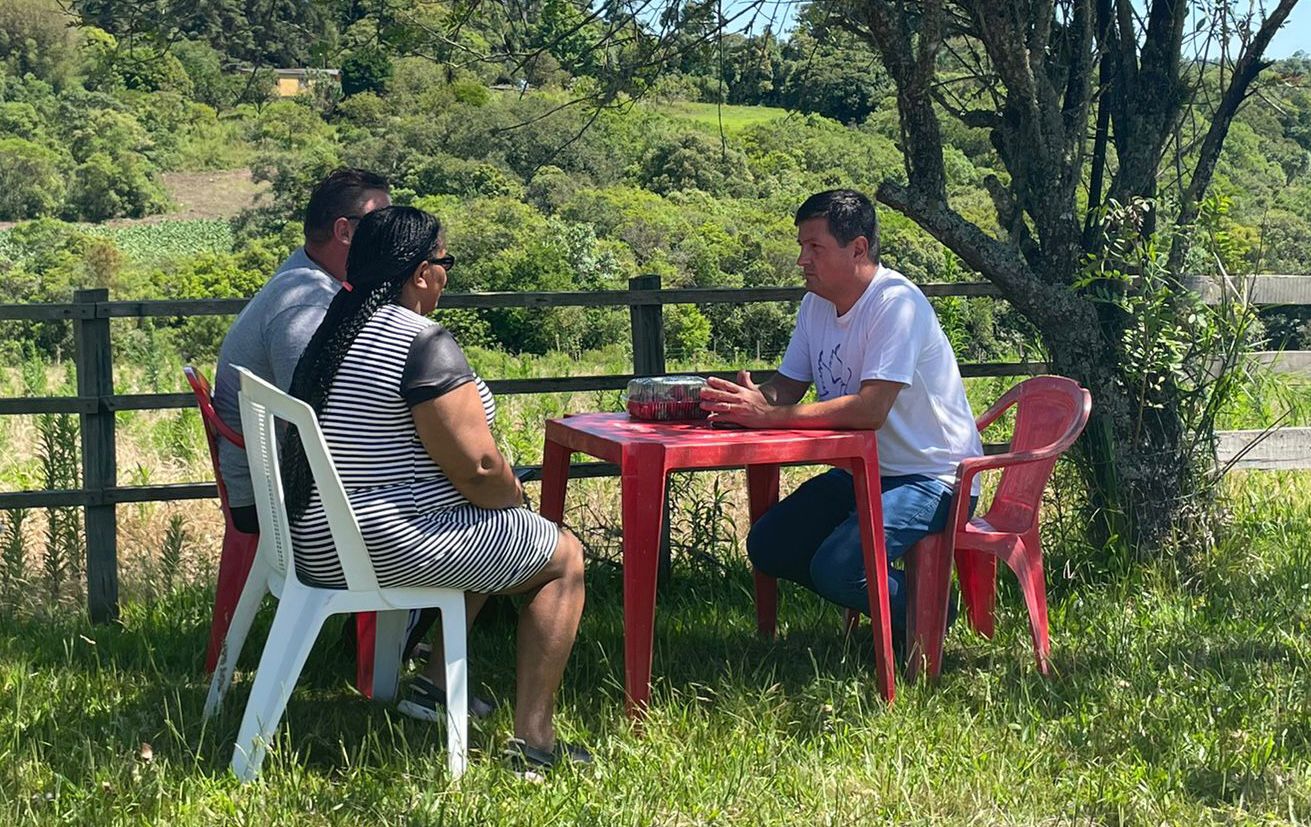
665 398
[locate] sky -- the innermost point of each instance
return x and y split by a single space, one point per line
1296 33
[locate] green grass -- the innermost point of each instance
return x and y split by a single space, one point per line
154 243
1179 698
735 118
157 243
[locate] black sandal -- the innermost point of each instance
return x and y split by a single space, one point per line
532 763
425 701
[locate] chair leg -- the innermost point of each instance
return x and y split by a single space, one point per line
366 633
1033 584
388 640
977 572
243 617
457 685
928 573
295 627
234 568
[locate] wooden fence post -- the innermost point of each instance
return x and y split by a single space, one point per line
648 321
648 330
95 379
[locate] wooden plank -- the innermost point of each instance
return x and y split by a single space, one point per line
592 298
1265 290
46 499
160 493
149 401
207 491
46 312
178 307
978 369
1285 361
25 405
95 378
503 387
1283 449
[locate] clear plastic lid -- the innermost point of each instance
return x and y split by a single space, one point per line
666 398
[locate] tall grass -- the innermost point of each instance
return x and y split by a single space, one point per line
1177 699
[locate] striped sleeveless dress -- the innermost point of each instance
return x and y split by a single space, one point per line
419 530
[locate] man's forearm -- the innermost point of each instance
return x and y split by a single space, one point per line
843 413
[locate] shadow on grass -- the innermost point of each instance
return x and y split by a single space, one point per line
113 687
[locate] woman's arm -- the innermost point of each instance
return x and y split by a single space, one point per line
453 430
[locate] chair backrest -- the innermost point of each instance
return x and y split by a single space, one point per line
215 428
1050 413
262 405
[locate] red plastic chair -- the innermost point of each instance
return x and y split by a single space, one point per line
238 546
1050 413
239 551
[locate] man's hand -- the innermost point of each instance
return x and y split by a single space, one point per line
740 403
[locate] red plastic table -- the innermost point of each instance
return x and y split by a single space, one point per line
647 451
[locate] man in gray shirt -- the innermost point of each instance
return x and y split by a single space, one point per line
272 331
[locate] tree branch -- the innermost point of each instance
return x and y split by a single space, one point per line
1250 64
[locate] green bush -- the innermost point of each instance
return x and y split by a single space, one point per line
687 330
366 70
693 161
31 180
447 175
103 188
21 120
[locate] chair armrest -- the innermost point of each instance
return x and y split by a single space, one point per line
994 413
970 468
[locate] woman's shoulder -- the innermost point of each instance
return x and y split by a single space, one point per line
397 316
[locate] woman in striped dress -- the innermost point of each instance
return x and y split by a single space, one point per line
408 425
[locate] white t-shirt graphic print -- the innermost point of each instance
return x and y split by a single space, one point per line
891 333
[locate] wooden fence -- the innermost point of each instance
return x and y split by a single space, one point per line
97 404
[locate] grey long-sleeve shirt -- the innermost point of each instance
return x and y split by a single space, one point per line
268 339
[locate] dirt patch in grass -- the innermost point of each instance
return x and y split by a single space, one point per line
220 194
214 194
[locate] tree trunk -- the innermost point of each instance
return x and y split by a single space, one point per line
1133 454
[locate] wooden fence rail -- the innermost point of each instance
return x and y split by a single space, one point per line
97 405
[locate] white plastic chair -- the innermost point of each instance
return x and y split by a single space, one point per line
303 609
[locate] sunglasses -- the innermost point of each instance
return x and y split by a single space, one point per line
446 262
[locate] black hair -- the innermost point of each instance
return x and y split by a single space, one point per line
341 195
849 213
388 246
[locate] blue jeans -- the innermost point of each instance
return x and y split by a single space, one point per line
812 536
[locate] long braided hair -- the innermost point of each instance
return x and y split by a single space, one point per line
388 245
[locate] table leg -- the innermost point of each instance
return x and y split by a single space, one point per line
869 507
928 583
643 478
555 477
762 493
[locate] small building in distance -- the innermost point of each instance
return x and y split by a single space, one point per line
293 82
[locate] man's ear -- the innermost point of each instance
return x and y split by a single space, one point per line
860 248
342 230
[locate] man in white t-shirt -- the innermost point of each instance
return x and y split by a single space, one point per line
870 343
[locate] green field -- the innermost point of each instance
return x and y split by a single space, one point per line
734 118
154 243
